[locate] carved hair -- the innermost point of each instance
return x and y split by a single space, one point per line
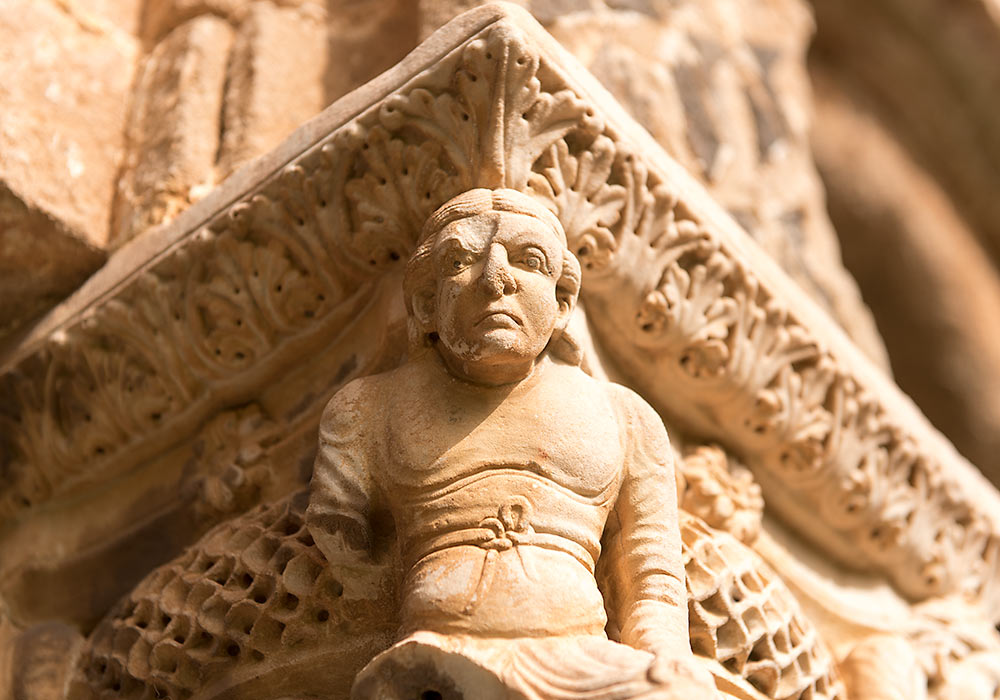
420 271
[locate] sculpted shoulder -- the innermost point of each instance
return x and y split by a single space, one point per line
581 387
641 419
358 400
575 379
366 397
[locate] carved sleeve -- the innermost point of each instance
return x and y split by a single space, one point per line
645 568
342 488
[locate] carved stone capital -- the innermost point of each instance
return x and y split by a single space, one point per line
248 295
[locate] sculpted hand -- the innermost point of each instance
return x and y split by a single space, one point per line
682 677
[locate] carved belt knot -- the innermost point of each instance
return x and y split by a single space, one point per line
510 525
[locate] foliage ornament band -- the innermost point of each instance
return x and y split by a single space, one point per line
282 256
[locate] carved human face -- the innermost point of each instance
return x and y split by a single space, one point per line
495 303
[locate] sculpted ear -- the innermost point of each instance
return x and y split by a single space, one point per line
567 289
567 302
423 304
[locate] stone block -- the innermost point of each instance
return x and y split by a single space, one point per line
104 15
41 260
165 15
366 38
67 77
930 282
725 91
275 79
932 71
174 126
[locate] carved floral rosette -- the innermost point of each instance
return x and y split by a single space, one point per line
255 597
266 272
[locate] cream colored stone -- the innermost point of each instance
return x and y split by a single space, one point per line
366 37
503 468
163 16
186 382
918 261
41 261
915 96
254 594
722 87
38 661
932 70
884 667
433 14
274 80
722 494
174 126
64 98
65 95
103 16
743 615
679 297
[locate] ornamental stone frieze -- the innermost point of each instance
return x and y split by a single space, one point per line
189 377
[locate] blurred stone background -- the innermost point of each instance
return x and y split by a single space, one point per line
855 140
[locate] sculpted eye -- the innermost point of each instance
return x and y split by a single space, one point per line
458 260
533 259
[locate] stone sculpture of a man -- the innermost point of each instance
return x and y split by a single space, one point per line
504 483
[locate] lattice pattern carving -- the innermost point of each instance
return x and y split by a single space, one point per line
257 587
742 615
251 589
704 325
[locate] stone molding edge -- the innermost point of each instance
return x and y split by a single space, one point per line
837 447
33 408
839 450
704 322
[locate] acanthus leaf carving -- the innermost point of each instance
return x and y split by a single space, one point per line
697 324
578 188
397 192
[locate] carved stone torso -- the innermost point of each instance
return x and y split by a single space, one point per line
500 497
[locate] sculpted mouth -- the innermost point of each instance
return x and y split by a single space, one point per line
499 314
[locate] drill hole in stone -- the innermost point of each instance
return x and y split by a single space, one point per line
430 695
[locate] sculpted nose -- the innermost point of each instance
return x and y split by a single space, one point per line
496 278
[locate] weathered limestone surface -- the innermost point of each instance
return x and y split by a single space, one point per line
41 261
228 329
366 38
65 94
67 74
183 385
174 126
237 78
115 152
923 79
932 70
274 80
33 664
930 280
722 87
695 63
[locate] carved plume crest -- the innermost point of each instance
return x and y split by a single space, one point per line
293 260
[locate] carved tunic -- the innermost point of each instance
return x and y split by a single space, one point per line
500 497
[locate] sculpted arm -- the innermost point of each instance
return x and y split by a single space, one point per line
645 566
342 489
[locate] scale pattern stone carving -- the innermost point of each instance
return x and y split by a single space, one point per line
742 615
291 258
257 589
252 589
